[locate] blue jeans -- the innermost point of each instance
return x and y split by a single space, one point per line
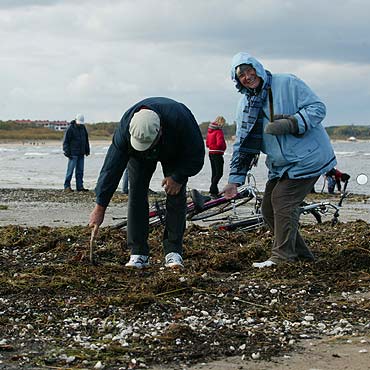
125 182
331 185
75 163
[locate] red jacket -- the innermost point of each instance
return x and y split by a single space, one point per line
215 141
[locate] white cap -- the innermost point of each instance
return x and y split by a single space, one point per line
80 119
144 128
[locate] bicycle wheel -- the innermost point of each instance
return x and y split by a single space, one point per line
153 222
249 223
313 212
211 210
120 225
157 215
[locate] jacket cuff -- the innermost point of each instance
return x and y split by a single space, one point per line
237 179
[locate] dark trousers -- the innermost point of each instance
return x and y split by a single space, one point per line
217 167
140 174
280 209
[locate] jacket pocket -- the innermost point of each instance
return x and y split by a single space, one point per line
295 148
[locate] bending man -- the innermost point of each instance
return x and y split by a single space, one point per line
153 130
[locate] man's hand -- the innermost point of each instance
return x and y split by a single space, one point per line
170 186
230 191
283 124
97 216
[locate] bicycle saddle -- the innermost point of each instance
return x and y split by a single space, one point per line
198 199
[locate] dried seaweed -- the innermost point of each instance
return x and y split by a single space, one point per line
58 310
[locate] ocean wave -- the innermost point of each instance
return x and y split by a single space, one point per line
7 150
346 154
34 154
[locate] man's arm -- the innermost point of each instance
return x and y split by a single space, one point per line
114 164
66 144
311 111
192 153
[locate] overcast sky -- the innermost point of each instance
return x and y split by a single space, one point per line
99 57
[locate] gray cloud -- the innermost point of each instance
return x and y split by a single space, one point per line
59 57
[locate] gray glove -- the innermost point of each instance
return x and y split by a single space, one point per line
283 124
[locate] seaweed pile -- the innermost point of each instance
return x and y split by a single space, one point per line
57 310
52 195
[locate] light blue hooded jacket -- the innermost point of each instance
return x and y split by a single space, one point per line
305 155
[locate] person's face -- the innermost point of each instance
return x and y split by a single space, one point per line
248 78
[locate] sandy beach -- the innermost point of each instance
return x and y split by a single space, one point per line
217 314
32 207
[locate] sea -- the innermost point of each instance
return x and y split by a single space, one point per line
42 165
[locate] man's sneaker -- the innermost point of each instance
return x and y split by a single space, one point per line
68 190
138 261
174 260
261 265
83 189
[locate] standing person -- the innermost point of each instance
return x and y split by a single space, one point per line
294 140
334 177
75 147
125 182
154 130
215 142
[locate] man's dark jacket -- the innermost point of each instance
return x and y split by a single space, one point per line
76 141
181 147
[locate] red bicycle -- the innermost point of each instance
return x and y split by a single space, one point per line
199 207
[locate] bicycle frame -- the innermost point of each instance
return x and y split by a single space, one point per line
200 207
256 221
197 209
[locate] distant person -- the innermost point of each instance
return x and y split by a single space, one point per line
125 186
335 177
154 130
216 144
125 182
75 147
296 145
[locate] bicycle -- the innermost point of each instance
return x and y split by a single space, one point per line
200 207
204 208
256 221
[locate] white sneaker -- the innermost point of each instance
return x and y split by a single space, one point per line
261 265
138 261
174 260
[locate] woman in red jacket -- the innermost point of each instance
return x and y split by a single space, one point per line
216 145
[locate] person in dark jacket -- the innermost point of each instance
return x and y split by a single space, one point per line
75 147
216 144
156 129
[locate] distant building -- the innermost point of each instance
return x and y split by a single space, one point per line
52 125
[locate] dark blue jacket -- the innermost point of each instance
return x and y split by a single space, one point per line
76 141
181 147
